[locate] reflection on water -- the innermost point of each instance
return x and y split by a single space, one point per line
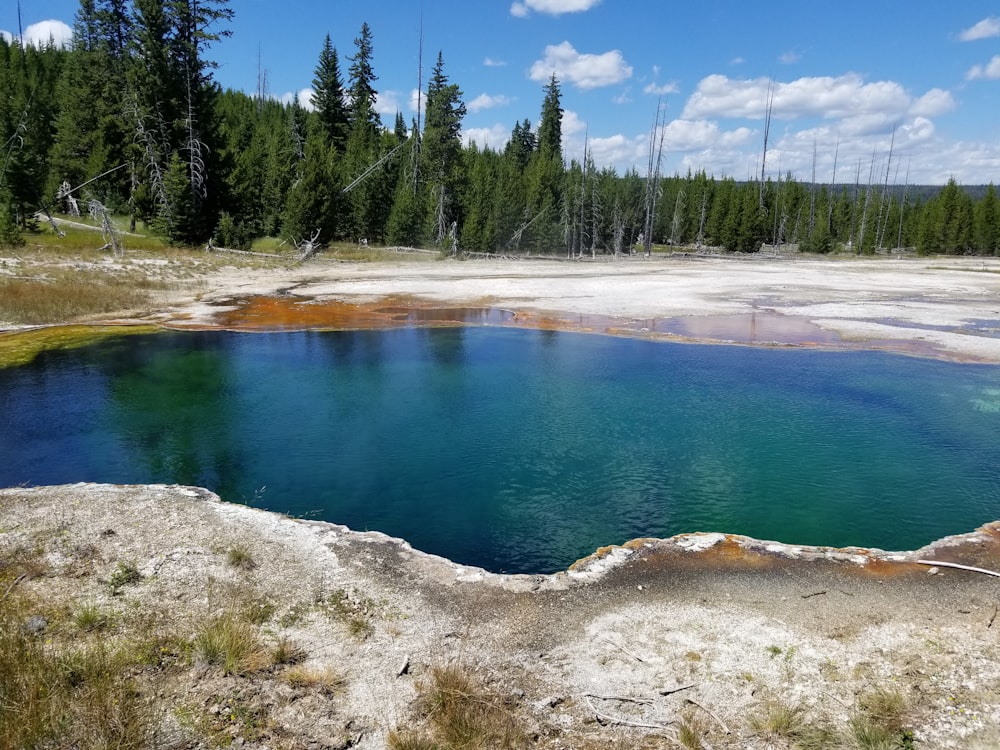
748 328
470 315
300 313
522 450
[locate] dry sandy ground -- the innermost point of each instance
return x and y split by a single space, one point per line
586 658
589 657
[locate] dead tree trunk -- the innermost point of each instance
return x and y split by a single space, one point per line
109 232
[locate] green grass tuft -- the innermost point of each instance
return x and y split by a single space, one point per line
239 557
231 643
460 712
81 696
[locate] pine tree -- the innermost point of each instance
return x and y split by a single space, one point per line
544 176
955 218
196 26
370 199
90 134
153 105
328 96
406 219
311 203
522 143
988 223
441 151
362 79
172 102
28 107
180 221
550 125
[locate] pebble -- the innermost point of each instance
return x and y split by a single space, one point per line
36 624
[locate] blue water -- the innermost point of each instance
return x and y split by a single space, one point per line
522 451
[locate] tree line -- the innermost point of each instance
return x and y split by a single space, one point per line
130 118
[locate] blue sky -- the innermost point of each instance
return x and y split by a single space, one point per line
848 73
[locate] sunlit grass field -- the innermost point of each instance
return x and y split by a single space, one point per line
69 276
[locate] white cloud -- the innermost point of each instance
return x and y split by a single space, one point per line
693 135
827 97
551 7
659 89
625 97
704 141
789 58
934 102
969 163
617 150
388 103
571 123
920 130
988 27
41 33
490 62
866 124
418 99
990 70
488 101
494 137
303 97
586 71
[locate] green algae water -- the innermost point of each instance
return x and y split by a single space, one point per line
521 451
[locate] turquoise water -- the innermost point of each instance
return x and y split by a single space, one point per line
522 451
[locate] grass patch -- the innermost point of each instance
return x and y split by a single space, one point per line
689 733
352 613
459 711
879 721
39 301
60 279
239 557
778 720
79 239
91 619
324 679
286 651
231 643
80 696
884 706
272 245
124 574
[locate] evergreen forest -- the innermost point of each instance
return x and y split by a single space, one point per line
130 121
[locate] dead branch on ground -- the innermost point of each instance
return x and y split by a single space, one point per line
619 721
958 566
